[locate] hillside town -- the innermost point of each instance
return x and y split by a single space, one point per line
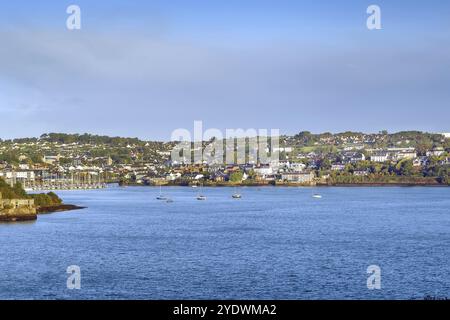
64 161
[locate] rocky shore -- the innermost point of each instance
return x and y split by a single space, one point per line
31 213
19 214
58 208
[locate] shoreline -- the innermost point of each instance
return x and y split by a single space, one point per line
21 216
321 185
17 218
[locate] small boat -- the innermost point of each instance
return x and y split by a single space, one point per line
161 196
317 196
200 196
236 195
194 186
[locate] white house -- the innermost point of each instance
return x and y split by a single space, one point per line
361 173
380 157
404 155
436 152
18 175
281 149
354 156
297 167
263 170
298 177
338 167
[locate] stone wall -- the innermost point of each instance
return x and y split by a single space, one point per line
17 209
16 203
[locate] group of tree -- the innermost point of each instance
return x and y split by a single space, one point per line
17 192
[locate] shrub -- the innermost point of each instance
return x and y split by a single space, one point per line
46 200
8 192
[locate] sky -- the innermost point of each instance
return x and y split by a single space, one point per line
145 68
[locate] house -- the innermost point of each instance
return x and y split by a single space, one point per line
51 159
263 170
247 167
173 176
18 176
436 152
354 147
444 162
270 177
380 157
280 164
354 157
297 177
361 173
420 162
313 164
404 155
232 168
25 175
24 166
338 167
220 177
285 149
297 167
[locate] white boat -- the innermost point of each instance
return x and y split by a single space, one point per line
236 195
200 196
317 196
161 196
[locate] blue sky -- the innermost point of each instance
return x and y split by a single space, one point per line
146 68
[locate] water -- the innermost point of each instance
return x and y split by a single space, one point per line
274 243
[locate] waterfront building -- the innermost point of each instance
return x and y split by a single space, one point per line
263 170
298 177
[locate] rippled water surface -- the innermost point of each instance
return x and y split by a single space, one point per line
274 243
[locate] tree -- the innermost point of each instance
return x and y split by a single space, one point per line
405 167
324 164
236 176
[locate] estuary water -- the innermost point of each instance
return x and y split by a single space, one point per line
274 243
